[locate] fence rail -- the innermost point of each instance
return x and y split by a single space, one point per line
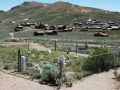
90 65
110 56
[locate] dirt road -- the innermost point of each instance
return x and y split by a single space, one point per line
102 81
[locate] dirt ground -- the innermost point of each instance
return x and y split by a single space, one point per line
31 45
14 81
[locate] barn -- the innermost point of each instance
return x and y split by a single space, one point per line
39 26
38 33
51 32
18 28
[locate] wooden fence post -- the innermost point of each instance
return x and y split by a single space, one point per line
61 65
28 46
119 54
19 61
76 48
55 44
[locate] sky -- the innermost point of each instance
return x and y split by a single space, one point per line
111 5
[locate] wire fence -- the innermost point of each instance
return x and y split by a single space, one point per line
93 64
81 65
61 70
78 46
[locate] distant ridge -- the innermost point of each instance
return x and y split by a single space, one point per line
57 6
25 5
66 6
1 11
58 12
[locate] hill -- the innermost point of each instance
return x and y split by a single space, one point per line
1 11
58 12
25 5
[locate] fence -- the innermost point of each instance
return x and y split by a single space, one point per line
98 63
93 64
78 46
61 70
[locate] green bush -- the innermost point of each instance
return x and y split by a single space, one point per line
75 66
67 80
15 66
78 76
8 67
52 77
49 76
117 75
86 73
99 61
100 51
86 45
36 76
87 51
28 71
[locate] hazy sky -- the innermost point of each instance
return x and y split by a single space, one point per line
111 5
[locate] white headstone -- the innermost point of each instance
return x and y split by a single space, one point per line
49 51
62 58
23 63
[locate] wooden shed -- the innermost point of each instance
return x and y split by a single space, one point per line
101 34
38 33
61 27
39 26
51 32
25 24
18 28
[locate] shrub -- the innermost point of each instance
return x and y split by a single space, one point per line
86 73
50 76
75 66
117 75
7 67
36 76
100 51
27 71
69 84
99 61
67 80
15 66
78 76
86 45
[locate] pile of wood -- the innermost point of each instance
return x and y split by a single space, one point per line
101 34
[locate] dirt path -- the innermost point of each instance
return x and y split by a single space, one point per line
38 46
10 81
31 45
102 81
